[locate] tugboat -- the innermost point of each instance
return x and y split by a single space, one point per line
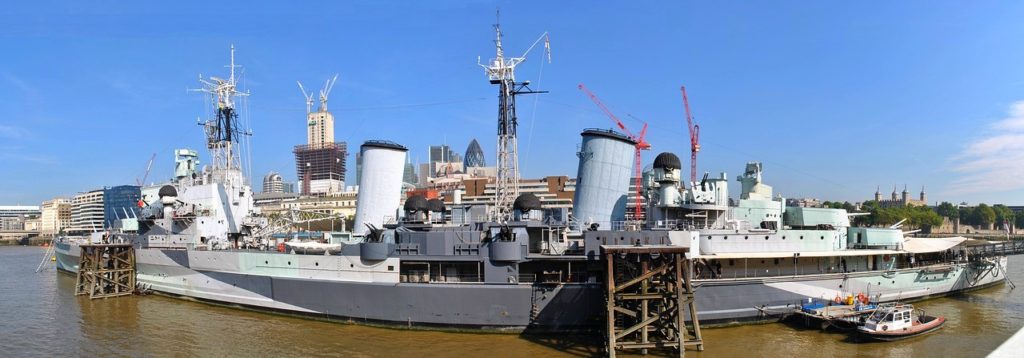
894 321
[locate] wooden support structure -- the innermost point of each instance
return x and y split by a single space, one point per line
106 270
649 295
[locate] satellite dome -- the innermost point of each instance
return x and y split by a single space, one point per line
667 160
435 205
167 190
416 203
527 202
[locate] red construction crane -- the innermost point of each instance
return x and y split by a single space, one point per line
641 144
694 138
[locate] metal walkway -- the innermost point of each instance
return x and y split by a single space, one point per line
1010 247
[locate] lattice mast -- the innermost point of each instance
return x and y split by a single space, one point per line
223 133
501 71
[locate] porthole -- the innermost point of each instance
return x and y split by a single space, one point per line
289 263
801 237
351 265
783 237
316 264
266 262
766 237
725 238
746 237
709 237
823 237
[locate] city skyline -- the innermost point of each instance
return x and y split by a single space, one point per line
828 119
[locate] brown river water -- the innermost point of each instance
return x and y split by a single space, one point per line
40 316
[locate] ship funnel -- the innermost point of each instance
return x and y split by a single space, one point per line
602 182
380 185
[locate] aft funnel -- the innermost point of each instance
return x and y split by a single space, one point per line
380 185
602 182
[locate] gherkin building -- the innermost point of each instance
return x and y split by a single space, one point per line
474 156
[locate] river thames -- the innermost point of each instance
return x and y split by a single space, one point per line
41 316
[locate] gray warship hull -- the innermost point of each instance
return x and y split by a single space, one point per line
222 277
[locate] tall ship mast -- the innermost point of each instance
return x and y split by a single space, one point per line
224 135
501 71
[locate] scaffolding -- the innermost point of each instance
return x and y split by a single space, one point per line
320 162
648 291
106 270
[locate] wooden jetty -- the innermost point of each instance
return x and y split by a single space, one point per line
106 270
648 292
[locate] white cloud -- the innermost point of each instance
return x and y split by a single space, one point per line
12 132
993 162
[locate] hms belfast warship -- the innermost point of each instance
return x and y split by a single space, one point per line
518 266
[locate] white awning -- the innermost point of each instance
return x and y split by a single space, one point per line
920 245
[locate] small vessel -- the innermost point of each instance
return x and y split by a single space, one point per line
894 321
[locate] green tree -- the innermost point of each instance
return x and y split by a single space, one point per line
848 207
948 210
1019 221
1003 214
984 215
967 215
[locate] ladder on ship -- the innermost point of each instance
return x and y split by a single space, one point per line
106 270
649 298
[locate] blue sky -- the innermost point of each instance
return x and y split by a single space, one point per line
835 97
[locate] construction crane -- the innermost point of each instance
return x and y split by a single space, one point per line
694 138
641 144
146 175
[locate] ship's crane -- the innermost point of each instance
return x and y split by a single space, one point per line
146 175
694 138
641 144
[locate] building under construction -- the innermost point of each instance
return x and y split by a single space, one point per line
320 164
321 167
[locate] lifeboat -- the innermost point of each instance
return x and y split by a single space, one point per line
896 321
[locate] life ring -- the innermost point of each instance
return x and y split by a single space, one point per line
885 328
